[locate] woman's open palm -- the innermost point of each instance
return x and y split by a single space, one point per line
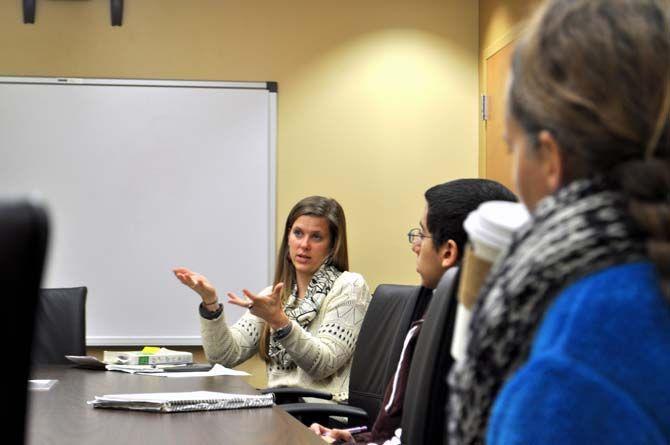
199 283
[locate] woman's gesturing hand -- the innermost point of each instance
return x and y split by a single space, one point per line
198 283
268 307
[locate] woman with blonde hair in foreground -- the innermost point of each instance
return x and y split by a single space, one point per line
570 339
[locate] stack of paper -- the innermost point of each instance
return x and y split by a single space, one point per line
168 371
216 370
169 402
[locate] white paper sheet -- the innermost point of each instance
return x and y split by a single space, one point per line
41 385
162 397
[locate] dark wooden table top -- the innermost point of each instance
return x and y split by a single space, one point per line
61 415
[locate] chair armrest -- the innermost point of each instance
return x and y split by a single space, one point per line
293 394
325 410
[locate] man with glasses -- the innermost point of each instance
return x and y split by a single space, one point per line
438 243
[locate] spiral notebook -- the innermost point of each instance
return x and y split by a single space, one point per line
169 402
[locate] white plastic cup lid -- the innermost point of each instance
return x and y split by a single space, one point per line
503 217
491 226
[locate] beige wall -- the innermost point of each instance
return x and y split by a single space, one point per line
376 97
499 23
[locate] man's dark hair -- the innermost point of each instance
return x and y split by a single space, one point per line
450 203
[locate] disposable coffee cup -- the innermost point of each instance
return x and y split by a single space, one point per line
490 229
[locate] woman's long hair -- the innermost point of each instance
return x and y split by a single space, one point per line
338 257
596 75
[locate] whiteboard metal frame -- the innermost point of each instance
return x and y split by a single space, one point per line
272 174
134 82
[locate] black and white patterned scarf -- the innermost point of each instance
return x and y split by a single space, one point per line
579 230
305 310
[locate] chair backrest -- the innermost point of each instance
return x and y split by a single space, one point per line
379 344
425 396
60 325
23 243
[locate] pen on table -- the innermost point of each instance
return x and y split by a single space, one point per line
352 431
356 430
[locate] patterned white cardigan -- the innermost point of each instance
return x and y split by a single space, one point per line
322 351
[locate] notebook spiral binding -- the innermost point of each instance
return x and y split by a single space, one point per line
248 401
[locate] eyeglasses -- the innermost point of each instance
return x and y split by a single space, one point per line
415 236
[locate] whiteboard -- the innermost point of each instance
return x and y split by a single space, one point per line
140 176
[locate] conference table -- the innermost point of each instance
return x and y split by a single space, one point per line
60 415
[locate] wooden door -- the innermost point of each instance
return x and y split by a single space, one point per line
498 157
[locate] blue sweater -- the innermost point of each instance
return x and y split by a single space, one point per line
599 369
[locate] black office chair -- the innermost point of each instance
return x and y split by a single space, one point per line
23 244
377 351
60 325
423 408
